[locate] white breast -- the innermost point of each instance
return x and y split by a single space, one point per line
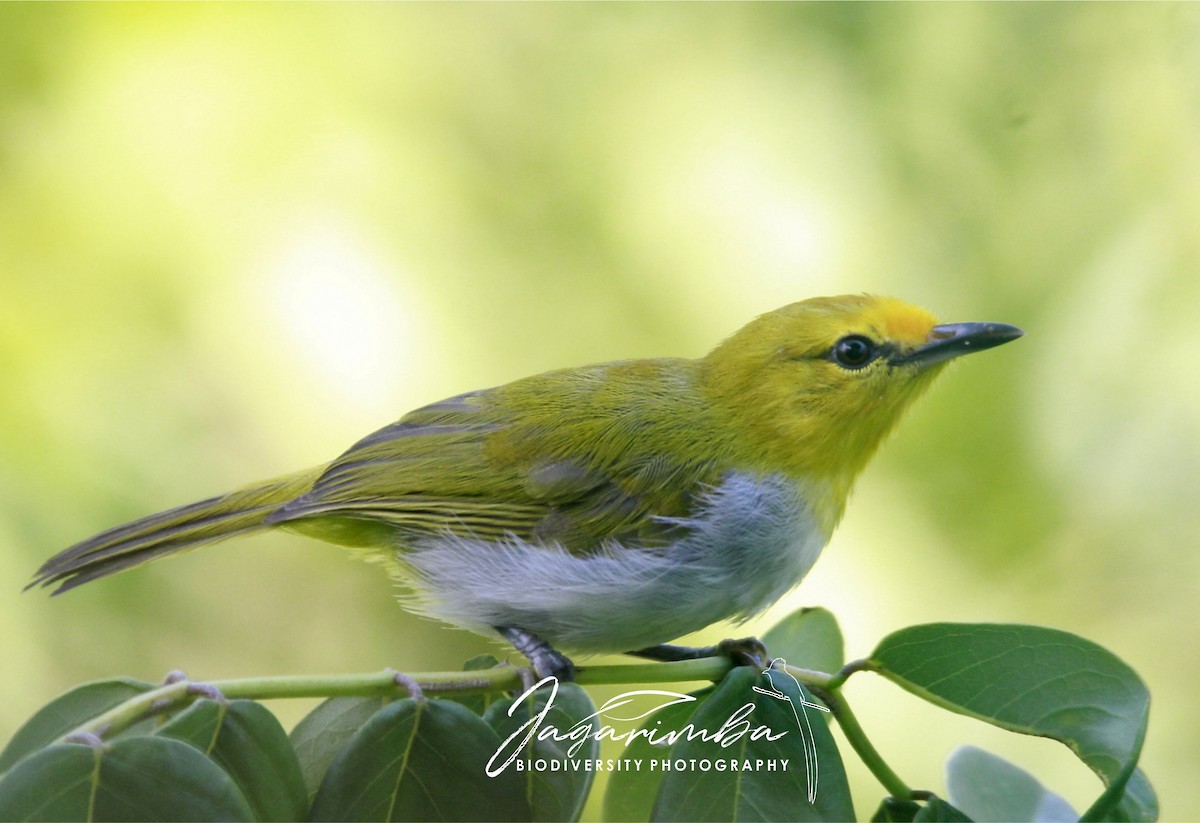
752 540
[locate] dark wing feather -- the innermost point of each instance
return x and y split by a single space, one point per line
424 474
461 466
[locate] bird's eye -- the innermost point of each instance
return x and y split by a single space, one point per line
854 351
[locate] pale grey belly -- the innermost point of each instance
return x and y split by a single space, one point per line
753 539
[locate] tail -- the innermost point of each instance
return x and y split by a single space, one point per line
171 531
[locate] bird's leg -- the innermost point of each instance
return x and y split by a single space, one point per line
744 651
542 656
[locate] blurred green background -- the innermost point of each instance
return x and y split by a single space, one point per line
234 239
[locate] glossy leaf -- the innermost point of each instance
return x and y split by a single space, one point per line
934 808
145 778
1031 680
246 740
782 771
809 638
557 774
892 810
988 788
937 810
630 794
420 760
325 731
67 712
1138 802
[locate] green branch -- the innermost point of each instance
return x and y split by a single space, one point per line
179 691
862 746
827 687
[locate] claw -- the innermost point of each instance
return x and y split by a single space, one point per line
528 680
411 686
206 690
198 689
745 651
86 739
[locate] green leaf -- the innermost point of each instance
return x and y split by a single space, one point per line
326 730
66 713
937 810
773 779
892 810
1139 802
631 791
246 740
1129 798
420 760
808 638
989 788
134 779
557 773
934 808
1031 680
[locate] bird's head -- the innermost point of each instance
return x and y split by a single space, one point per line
815 386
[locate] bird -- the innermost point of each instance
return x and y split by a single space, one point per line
606 508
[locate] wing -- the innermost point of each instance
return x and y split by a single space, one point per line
470 466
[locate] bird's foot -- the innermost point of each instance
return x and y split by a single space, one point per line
197 688
409 685
743 651
543 658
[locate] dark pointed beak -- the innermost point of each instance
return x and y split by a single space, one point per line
952 339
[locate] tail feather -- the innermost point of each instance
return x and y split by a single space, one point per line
174 530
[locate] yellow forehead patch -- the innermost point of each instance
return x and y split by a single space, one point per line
898 321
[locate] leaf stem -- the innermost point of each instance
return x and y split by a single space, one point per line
857 739
827 687
850 668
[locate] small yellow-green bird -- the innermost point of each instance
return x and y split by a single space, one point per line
606 508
